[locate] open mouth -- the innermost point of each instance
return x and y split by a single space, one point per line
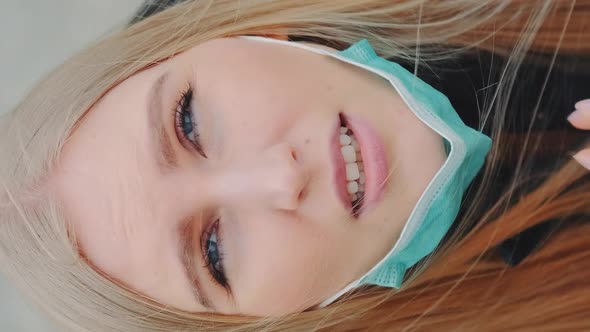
349 167
360 164
354 167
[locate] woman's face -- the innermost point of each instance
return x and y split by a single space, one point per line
216 181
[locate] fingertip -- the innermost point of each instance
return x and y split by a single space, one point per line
583 158
574 117
583 105
580 118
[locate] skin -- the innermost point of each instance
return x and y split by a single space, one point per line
265 122
580 119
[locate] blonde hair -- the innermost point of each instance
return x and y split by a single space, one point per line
462 286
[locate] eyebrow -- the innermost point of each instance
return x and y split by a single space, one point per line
187 252
166 159
165 154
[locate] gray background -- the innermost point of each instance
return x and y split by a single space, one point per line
35 36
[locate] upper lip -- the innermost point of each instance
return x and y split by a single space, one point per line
339 178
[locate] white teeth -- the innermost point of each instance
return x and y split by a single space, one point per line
352 172
352 187
355 145
348 154
345 140
354 166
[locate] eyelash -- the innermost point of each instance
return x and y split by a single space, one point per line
182 107
216 270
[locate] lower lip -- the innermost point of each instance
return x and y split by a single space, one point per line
374 160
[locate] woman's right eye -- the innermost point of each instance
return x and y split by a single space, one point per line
187 128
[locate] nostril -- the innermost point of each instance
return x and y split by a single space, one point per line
294 154
301 195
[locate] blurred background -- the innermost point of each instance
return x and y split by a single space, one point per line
35 36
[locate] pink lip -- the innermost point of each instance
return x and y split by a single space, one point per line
339 168
374 160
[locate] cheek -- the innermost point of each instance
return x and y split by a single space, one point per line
262 97
247 114
285 265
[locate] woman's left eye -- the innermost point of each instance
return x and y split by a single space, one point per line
213 254
187 128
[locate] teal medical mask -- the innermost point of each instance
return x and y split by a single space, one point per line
439 204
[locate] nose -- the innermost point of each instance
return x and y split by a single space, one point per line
273 178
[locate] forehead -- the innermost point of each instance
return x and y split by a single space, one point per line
106 179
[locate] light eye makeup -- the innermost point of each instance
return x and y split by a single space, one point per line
186 125
213 255
187 131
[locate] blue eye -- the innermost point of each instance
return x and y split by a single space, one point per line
213 255
187 128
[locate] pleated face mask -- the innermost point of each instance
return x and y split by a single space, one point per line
438 206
